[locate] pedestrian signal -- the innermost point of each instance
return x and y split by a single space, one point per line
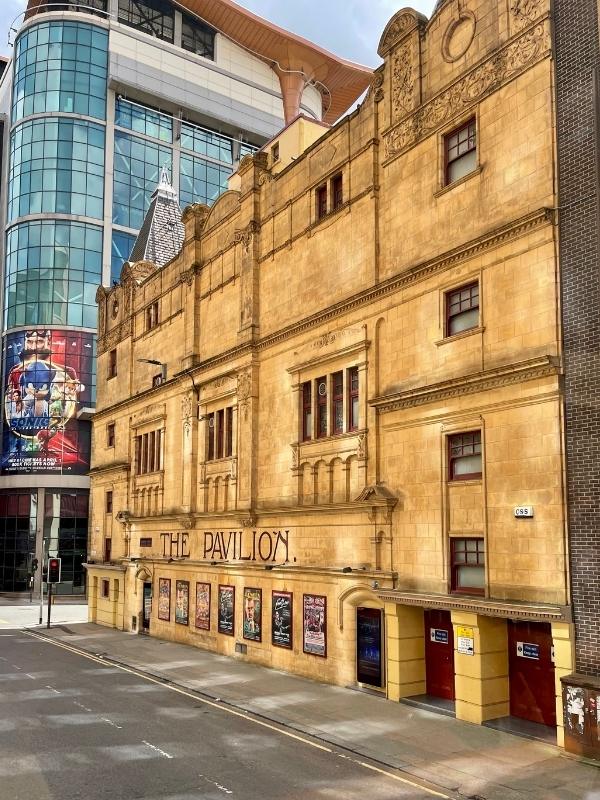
54 570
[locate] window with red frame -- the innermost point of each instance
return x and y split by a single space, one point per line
462 309
321 407
306 411
461 151
353 399
337 402
321 195
464 456
468 566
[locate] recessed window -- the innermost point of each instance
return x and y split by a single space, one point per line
461 151
321 407
464 455
109 502
110 434
337 193
306 411
107 549
155 17
219 434
145 541
321 197
112 364
353 399
468 566
152 316
337 402
462 309
197 37
275 153
105 588
148 452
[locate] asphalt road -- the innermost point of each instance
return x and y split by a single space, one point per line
74 727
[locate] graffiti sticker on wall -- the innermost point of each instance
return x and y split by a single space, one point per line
47 380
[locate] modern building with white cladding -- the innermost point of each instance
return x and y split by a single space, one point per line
100 96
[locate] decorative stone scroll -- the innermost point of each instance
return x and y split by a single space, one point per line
481 81
524 13
403 81
400 24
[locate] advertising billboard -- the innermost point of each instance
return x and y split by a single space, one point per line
47 379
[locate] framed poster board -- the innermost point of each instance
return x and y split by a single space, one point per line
164 599
202 618
368 647
252 624
314 625
282 620
226 609
182 602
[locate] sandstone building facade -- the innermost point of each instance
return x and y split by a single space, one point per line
354 466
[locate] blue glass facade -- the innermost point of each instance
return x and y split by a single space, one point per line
60 66
122 245
53 269
137 168
56 166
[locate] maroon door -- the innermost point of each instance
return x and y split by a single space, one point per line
439 654
531 672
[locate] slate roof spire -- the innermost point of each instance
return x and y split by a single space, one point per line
161 236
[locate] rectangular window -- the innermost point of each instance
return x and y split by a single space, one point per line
275 153
464 456
211 437
461 151
220 432
152 316
468 566
321 407
321 196
337 192
112 364
107 549
105 588
145 541
110 434
155 17
148 452
353 399
229 432
306 411
462 309
337 402
197 37
109 502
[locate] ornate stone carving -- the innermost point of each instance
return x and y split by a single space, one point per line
482 80
233 470
246 235
361 448
396 28
186 413
247 522
524 13
458 36
295 456
137 272
266 176
189 274
186 521
244 385
403 82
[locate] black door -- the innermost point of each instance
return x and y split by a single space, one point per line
368 646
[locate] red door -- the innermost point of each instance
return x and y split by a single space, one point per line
439 654
531 672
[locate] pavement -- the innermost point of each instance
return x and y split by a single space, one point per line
17 612
467 760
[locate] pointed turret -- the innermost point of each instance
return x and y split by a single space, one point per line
161 236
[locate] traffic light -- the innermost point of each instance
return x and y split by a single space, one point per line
34 565
54 570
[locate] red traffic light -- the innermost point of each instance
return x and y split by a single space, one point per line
54 570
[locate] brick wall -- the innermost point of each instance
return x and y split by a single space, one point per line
577 58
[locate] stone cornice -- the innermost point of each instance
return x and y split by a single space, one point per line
510 609
114 466
470 384
519 54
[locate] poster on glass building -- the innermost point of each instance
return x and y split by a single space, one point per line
48 378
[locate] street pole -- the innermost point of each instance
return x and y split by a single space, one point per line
49 603
42 585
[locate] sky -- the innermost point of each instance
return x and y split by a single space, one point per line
349 28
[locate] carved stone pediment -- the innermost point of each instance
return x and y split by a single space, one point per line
403 22
137 272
